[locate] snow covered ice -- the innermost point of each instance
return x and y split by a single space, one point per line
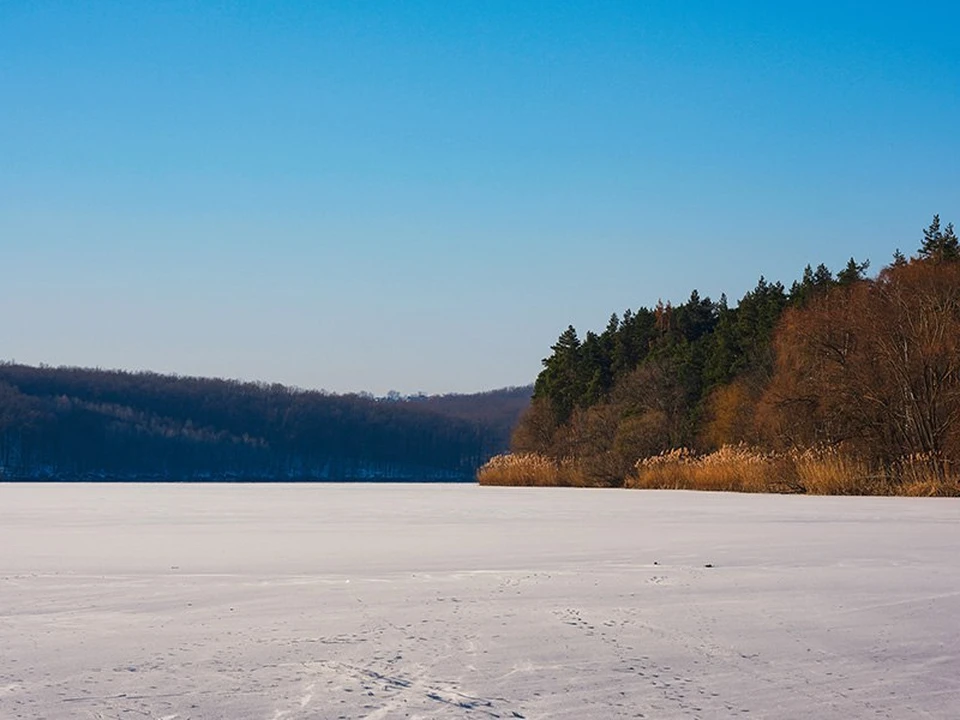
391 601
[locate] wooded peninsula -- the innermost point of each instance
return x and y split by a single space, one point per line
842 383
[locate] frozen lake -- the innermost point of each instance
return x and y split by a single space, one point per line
421 601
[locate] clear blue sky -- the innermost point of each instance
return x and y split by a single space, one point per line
422 195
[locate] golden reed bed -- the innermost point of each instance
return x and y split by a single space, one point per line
740 468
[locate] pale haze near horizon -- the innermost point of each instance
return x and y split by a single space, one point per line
421 198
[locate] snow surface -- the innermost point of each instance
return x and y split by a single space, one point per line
389 601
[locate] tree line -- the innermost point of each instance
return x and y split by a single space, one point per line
870 365
75 423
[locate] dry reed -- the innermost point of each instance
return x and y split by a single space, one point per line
741 468
530 469
819 471
924 475
731 468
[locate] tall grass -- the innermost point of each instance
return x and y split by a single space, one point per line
731 468
821 471
827 471
927 476
530 469
741 468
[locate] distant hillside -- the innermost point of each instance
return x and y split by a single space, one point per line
496 410
74 423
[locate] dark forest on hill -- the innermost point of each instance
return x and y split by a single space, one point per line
74 424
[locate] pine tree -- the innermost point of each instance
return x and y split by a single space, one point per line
822 277
560 380
801 290
931 239
951 246
852 272
613 325
939 245
568 342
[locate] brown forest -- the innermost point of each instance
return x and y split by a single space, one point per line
843 383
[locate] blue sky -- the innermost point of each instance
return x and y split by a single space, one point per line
422 195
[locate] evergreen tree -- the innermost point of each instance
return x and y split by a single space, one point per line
725 350
593 371
813 283
696 318
951 245
822 277
613 325
757 315
560 381
852 272
939 245
931 238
